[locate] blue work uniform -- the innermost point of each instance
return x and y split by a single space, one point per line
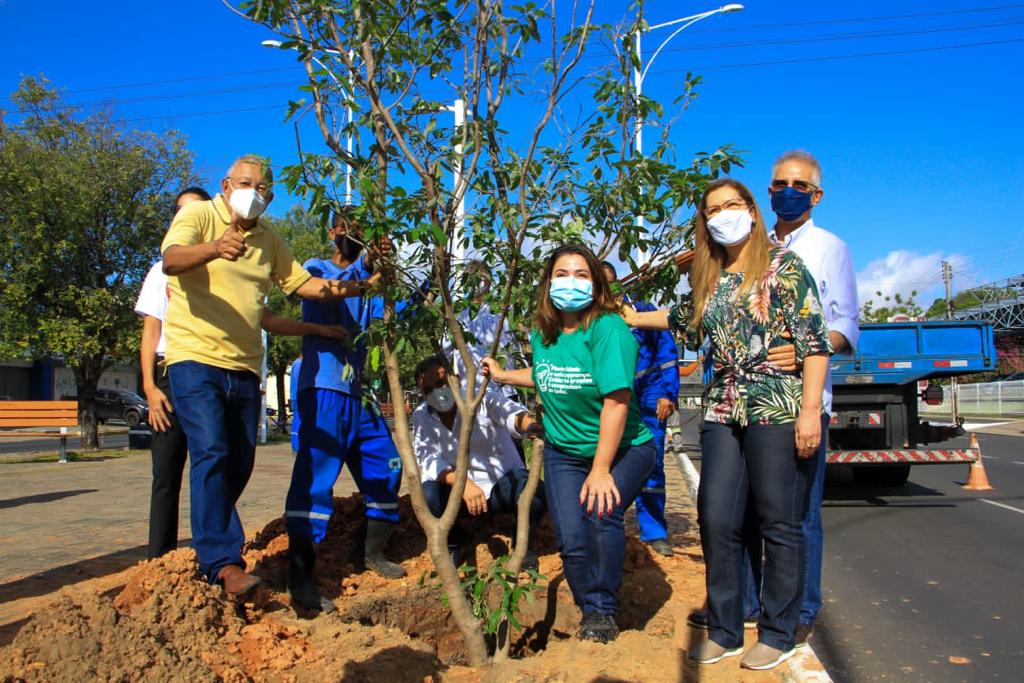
657 376
293 400
337 425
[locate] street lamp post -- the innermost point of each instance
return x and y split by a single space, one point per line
640 72
458 250
348 111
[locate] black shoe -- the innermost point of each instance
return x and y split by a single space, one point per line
377 532
662 547
700 620
599 628
301 584
803 635
531 562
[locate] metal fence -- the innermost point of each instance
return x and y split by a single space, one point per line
985 398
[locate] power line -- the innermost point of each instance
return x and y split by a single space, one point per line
731 29
216 112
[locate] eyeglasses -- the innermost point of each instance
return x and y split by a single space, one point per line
248 184
798 185
734 204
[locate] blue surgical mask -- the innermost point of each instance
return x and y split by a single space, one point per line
790 203
571 293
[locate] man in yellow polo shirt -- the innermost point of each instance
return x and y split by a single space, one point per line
221 262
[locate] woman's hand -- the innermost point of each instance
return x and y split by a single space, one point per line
808 432
600 488
492 369
628 314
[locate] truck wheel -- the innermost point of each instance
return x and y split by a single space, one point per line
881 475
132 418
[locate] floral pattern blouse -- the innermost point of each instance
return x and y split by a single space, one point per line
745 388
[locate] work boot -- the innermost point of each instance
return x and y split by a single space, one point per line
699 619
236 582
662 547
301 583
377 532
599 628
803 635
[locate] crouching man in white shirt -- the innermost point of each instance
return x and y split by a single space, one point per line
497 475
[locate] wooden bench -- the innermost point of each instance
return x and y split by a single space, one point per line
21 414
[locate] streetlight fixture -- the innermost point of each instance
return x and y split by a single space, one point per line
640 73
348 110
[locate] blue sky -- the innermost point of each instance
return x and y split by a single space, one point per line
913 107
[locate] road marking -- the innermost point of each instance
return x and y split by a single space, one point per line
1018 462
1001 505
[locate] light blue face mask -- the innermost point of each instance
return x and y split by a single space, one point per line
570 293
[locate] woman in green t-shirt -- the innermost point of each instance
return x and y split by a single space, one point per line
597 452
760 423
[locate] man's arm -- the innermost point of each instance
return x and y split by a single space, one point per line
159 406
844 331
181 258
286 327
319 289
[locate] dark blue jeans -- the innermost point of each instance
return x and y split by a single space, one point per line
504 498
218 410
814 539
757 463
593 548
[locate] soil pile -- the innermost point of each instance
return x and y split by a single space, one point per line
169 624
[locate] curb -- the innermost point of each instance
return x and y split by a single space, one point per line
804 666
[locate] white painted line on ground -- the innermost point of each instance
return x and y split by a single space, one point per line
804 666
1001 505
1015 462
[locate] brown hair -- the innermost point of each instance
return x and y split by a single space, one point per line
709 256
546 318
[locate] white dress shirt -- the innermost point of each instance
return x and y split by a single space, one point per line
484 328
491 451
153 300
828 259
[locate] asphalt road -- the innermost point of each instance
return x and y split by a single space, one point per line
9 445
923 583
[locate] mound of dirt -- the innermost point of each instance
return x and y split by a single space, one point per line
167 623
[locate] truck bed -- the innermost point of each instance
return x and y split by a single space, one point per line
901 353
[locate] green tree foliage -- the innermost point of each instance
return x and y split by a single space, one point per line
544 156
83 206
871 312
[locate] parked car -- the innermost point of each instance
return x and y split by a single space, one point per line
118 404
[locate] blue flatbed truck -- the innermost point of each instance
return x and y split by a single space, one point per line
875 426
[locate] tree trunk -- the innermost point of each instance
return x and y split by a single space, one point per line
282 403
522 540
87 378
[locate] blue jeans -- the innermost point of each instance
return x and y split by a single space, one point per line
503 498
218 410
650 504
814 541
336 429
740 464
593 548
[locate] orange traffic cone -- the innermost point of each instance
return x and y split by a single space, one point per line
977 480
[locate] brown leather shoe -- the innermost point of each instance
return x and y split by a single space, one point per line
236 582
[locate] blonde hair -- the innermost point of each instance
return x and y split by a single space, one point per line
709 256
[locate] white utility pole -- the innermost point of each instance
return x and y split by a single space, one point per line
640 72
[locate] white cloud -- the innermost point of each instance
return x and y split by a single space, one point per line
902 272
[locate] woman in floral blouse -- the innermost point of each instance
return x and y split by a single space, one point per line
760 423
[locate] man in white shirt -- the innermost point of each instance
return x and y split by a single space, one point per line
496 472
795 190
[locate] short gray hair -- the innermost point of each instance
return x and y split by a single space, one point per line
800 155
256 160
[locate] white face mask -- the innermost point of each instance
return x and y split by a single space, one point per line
247 203
441 399
730 226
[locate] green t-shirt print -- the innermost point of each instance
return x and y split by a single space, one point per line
573 376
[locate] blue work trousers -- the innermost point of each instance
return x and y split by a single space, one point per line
337 429
218 410
650 503
593 547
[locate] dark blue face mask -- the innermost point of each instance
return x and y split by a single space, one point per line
790 203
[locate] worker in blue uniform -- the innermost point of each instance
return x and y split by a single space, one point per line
656 388
338 425
293 402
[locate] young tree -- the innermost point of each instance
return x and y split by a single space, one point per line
891 306
83 205
527 175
